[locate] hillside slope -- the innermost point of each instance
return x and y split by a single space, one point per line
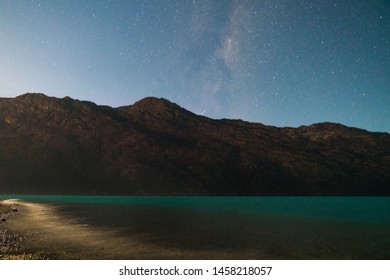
154 147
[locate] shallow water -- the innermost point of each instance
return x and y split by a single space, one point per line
91 227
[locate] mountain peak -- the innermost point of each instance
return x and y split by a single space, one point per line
152 108
32 102
155 103
32 95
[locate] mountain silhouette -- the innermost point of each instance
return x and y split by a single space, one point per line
154 147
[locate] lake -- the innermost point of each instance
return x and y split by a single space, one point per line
114 227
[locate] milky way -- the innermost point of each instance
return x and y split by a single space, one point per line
282 63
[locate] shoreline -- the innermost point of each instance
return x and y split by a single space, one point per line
28 243
10 242
13 245
42 231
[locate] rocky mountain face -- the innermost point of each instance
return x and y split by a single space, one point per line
154 147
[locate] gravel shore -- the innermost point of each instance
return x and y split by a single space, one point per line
13 244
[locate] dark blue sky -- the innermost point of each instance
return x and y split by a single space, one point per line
283 63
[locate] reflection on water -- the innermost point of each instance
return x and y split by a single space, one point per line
212 228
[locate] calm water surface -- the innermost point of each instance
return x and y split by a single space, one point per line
96 227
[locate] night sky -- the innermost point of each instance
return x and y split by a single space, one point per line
282 63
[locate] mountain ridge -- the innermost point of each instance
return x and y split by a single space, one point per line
155 147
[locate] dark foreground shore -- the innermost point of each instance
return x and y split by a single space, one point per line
13 244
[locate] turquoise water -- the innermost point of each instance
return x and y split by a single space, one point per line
210 227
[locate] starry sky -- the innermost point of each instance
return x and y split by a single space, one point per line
281 63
